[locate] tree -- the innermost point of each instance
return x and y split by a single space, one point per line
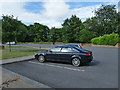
53 35
107 18
8 29
118 24
71 28
104 21
20 32
86 35
38 32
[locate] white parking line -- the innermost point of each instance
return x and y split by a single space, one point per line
57 66
36 63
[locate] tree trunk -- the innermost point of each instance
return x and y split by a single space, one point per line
9 46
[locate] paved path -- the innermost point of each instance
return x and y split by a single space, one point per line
5 61
24 82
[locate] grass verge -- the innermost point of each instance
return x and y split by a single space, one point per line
6 54
17 47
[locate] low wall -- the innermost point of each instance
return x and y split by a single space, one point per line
92 45
58 43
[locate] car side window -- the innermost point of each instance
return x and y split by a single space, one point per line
66 49
57 49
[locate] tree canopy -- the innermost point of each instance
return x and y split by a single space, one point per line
105 21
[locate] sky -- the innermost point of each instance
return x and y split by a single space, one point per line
51 12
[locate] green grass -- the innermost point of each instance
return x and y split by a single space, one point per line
6 54
35 42
42 42
38 42
17 47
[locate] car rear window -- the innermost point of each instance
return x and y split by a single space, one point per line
81 50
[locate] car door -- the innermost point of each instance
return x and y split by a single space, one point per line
65 54
53 54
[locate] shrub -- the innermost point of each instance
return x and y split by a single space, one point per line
107 39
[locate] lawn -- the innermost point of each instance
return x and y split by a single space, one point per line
6 54
17 47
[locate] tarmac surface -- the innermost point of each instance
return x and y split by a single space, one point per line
102 72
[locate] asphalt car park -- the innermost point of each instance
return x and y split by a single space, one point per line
102 72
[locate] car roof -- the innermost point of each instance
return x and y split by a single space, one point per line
72 44
63 46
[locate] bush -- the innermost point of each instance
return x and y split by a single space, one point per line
107 39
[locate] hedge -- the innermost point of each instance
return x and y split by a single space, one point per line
107 39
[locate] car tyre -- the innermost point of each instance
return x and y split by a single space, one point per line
41 59
76 62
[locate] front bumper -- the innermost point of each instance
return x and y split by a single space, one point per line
36 56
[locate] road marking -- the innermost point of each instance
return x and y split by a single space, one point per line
36 63
51 65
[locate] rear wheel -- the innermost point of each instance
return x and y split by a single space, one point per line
41 58
76 62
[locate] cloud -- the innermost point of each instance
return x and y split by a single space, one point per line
53 13
17 9
56 10
85 12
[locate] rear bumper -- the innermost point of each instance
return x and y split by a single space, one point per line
87 60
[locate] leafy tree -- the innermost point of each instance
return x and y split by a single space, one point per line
59 34
118 24
9 25
86 35
21 32
71 28
55 35
104 21
38 32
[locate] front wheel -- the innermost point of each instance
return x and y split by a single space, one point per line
76 62
41 58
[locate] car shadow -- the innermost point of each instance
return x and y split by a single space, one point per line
93 63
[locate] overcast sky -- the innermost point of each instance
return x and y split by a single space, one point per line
51 12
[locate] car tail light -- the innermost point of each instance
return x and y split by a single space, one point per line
88 54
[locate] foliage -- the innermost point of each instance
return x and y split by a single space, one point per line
105 21
86 35
37 33
107 39
55 35
71 28
12 29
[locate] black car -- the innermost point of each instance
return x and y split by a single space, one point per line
74 55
